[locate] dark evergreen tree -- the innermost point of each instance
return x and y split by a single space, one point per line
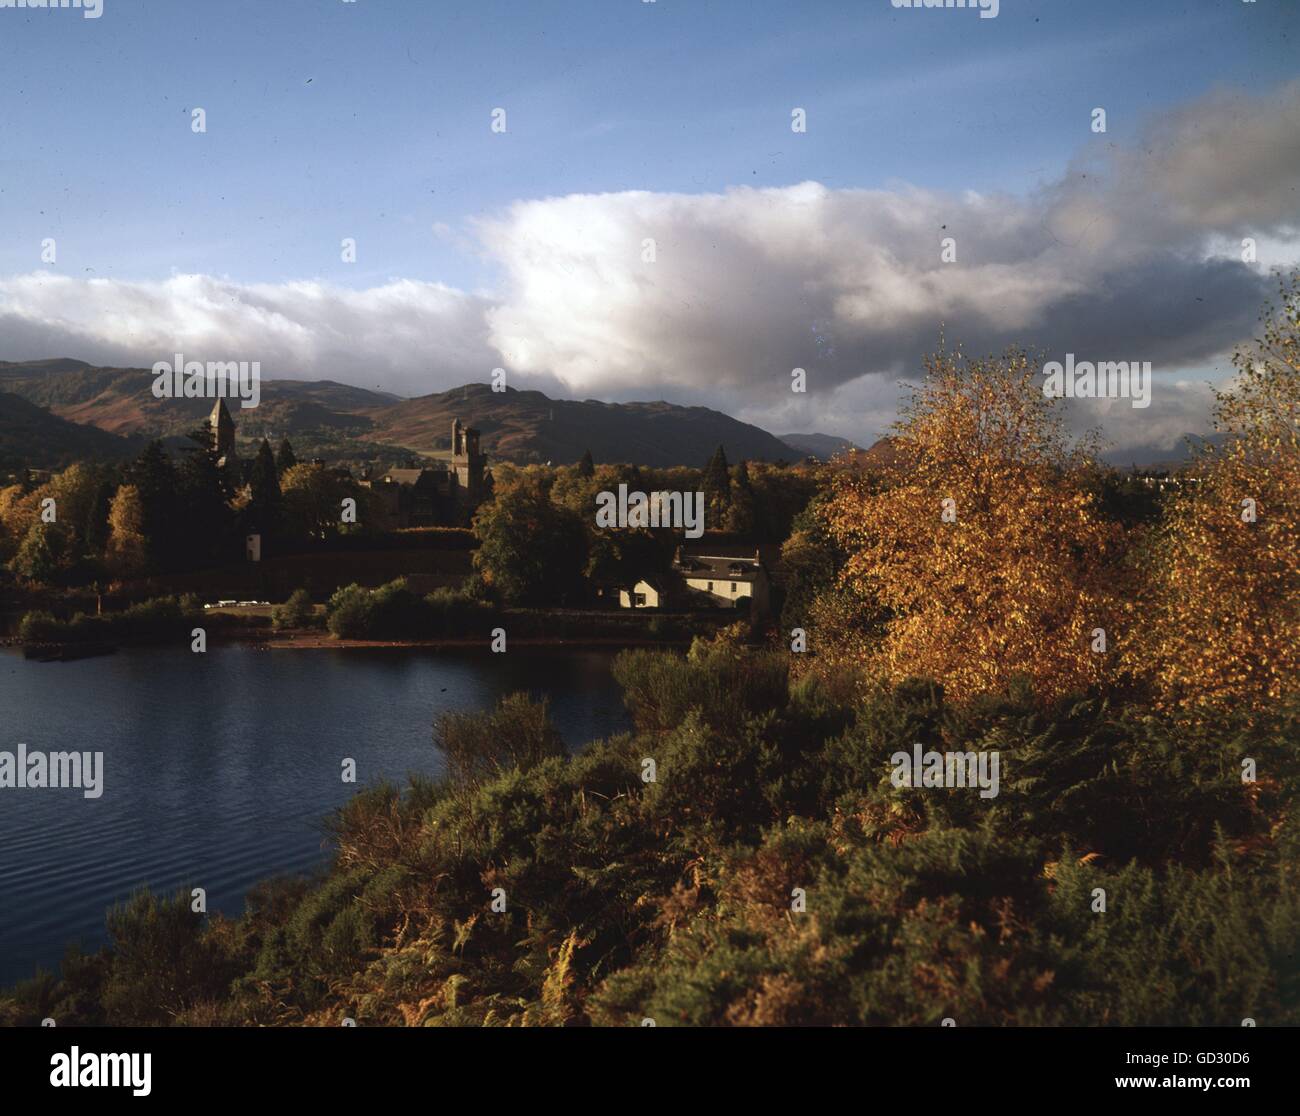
154 476
285 458
95 529
205 489
265 504
717 486
586 467
741 516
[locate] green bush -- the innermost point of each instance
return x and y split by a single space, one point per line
40 626
297 612
393 612
161 962
457 613
478 747
745 859
724 684
158 619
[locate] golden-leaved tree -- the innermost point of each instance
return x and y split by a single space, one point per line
976 552
127 552
1221 614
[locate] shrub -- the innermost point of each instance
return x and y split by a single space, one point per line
724 683
672 897
297 612
158 619
41 627
161 963
478 747
456 612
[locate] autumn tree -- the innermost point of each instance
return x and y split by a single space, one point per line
127 554
978 551
41 553
74 493
531 549
811 562
618 555
313 497
19 509
1221 617
780 494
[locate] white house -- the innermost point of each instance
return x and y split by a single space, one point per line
723 580
644 594
705 578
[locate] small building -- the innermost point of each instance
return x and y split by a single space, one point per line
646 593
706 576
731 579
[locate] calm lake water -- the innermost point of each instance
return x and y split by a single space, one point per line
218 768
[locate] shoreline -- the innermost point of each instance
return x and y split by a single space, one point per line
312 641
315 642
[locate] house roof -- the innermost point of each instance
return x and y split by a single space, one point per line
410 476
735 567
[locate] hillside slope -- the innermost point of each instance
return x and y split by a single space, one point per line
337 420
32 436
530 426
821 446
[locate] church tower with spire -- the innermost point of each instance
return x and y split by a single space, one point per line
223 433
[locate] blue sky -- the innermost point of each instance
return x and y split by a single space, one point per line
371 119
668 120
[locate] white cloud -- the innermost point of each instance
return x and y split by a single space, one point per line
405 336
1130 255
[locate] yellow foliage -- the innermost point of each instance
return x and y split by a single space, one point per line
976 553
1221 613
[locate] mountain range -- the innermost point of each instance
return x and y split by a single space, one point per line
56 411
109 412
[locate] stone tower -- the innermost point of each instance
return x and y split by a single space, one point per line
467 463
223 432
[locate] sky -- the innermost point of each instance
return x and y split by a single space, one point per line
648 224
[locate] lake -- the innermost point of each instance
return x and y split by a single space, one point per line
218 768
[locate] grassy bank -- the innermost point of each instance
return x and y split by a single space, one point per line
743 857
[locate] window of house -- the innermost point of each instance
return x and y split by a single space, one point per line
639 600
710 587
733 586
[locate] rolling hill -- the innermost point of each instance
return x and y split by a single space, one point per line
530 426
821 446
34 437
338 421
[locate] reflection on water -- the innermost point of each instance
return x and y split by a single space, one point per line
218 768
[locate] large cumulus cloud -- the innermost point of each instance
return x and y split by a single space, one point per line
404 336
1131 254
